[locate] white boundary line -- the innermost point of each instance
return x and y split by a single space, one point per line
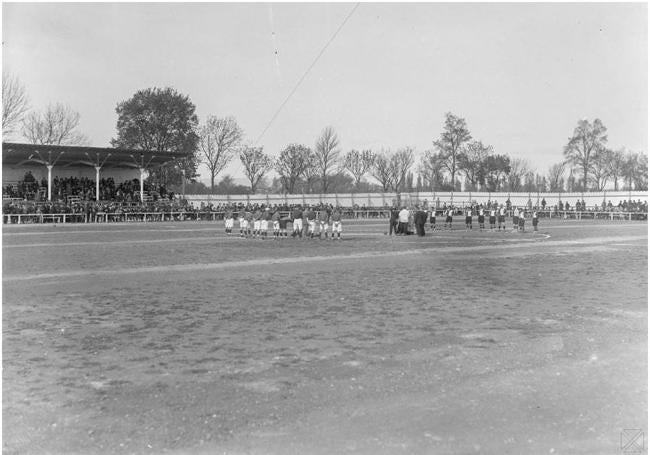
58 229
180 268
346 236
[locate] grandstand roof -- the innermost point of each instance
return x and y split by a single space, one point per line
14 154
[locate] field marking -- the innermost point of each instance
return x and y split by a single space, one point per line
222 235
454 234
60 229
307 259
112 242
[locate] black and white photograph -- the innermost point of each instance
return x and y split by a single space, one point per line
324 228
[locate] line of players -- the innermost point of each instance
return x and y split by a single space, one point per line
255 223
494 216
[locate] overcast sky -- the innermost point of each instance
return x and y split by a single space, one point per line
521 74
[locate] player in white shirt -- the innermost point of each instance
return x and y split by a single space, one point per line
502 217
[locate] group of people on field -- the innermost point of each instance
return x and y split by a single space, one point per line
406 222
256 221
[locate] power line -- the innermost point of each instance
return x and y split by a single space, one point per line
307 72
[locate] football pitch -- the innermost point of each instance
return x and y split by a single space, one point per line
174 338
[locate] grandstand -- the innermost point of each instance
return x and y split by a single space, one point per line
67 175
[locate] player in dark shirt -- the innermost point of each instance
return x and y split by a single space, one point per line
296 215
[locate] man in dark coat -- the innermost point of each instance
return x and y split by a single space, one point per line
419 219
394 215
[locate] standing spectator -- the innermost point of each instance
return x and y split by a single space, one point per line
394 215
403 220
419 220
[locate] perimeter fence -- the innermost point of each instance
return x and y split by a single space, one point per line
215 216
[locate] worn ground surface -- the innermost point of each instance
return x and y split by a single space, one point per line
172 338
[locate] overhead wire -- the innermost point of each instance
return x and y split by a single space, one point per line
295 88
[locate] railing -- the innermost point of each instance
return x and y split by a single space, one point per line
144 217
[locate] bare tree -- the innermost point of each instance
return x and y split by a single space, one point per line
311 172
381 169
292 164
399 165
472 162
529 182
256 164
635 171
54 126
327 155
541 184
556 177
615 164
518 169
497 168
641 178
14 103
600 169
358 164
218 140
588 140
452 139
432 168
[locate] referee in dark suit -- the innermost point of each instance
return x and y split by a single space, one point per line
419 219
394 215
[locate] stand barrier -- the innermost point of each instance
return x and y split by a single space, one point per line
146 217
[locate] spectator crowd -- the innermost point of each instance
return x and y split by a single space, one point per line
30 189
72 195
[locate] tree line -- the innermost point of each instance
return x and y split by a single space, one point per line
162 119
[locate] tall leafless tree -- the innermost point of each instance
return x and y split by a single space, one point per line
556 177
218 141
588 140
56 125
432 168
635 171
292 164
399 164
326 154
615 164
472 162
14 103
600 170
518 169
256 164
452 139
358 164
381 169
311 173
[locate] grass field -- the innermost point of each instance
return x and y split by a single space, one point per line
173 338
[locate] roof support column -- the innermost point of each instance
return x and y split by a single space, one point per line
183 182
49 182
141 185
97 168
